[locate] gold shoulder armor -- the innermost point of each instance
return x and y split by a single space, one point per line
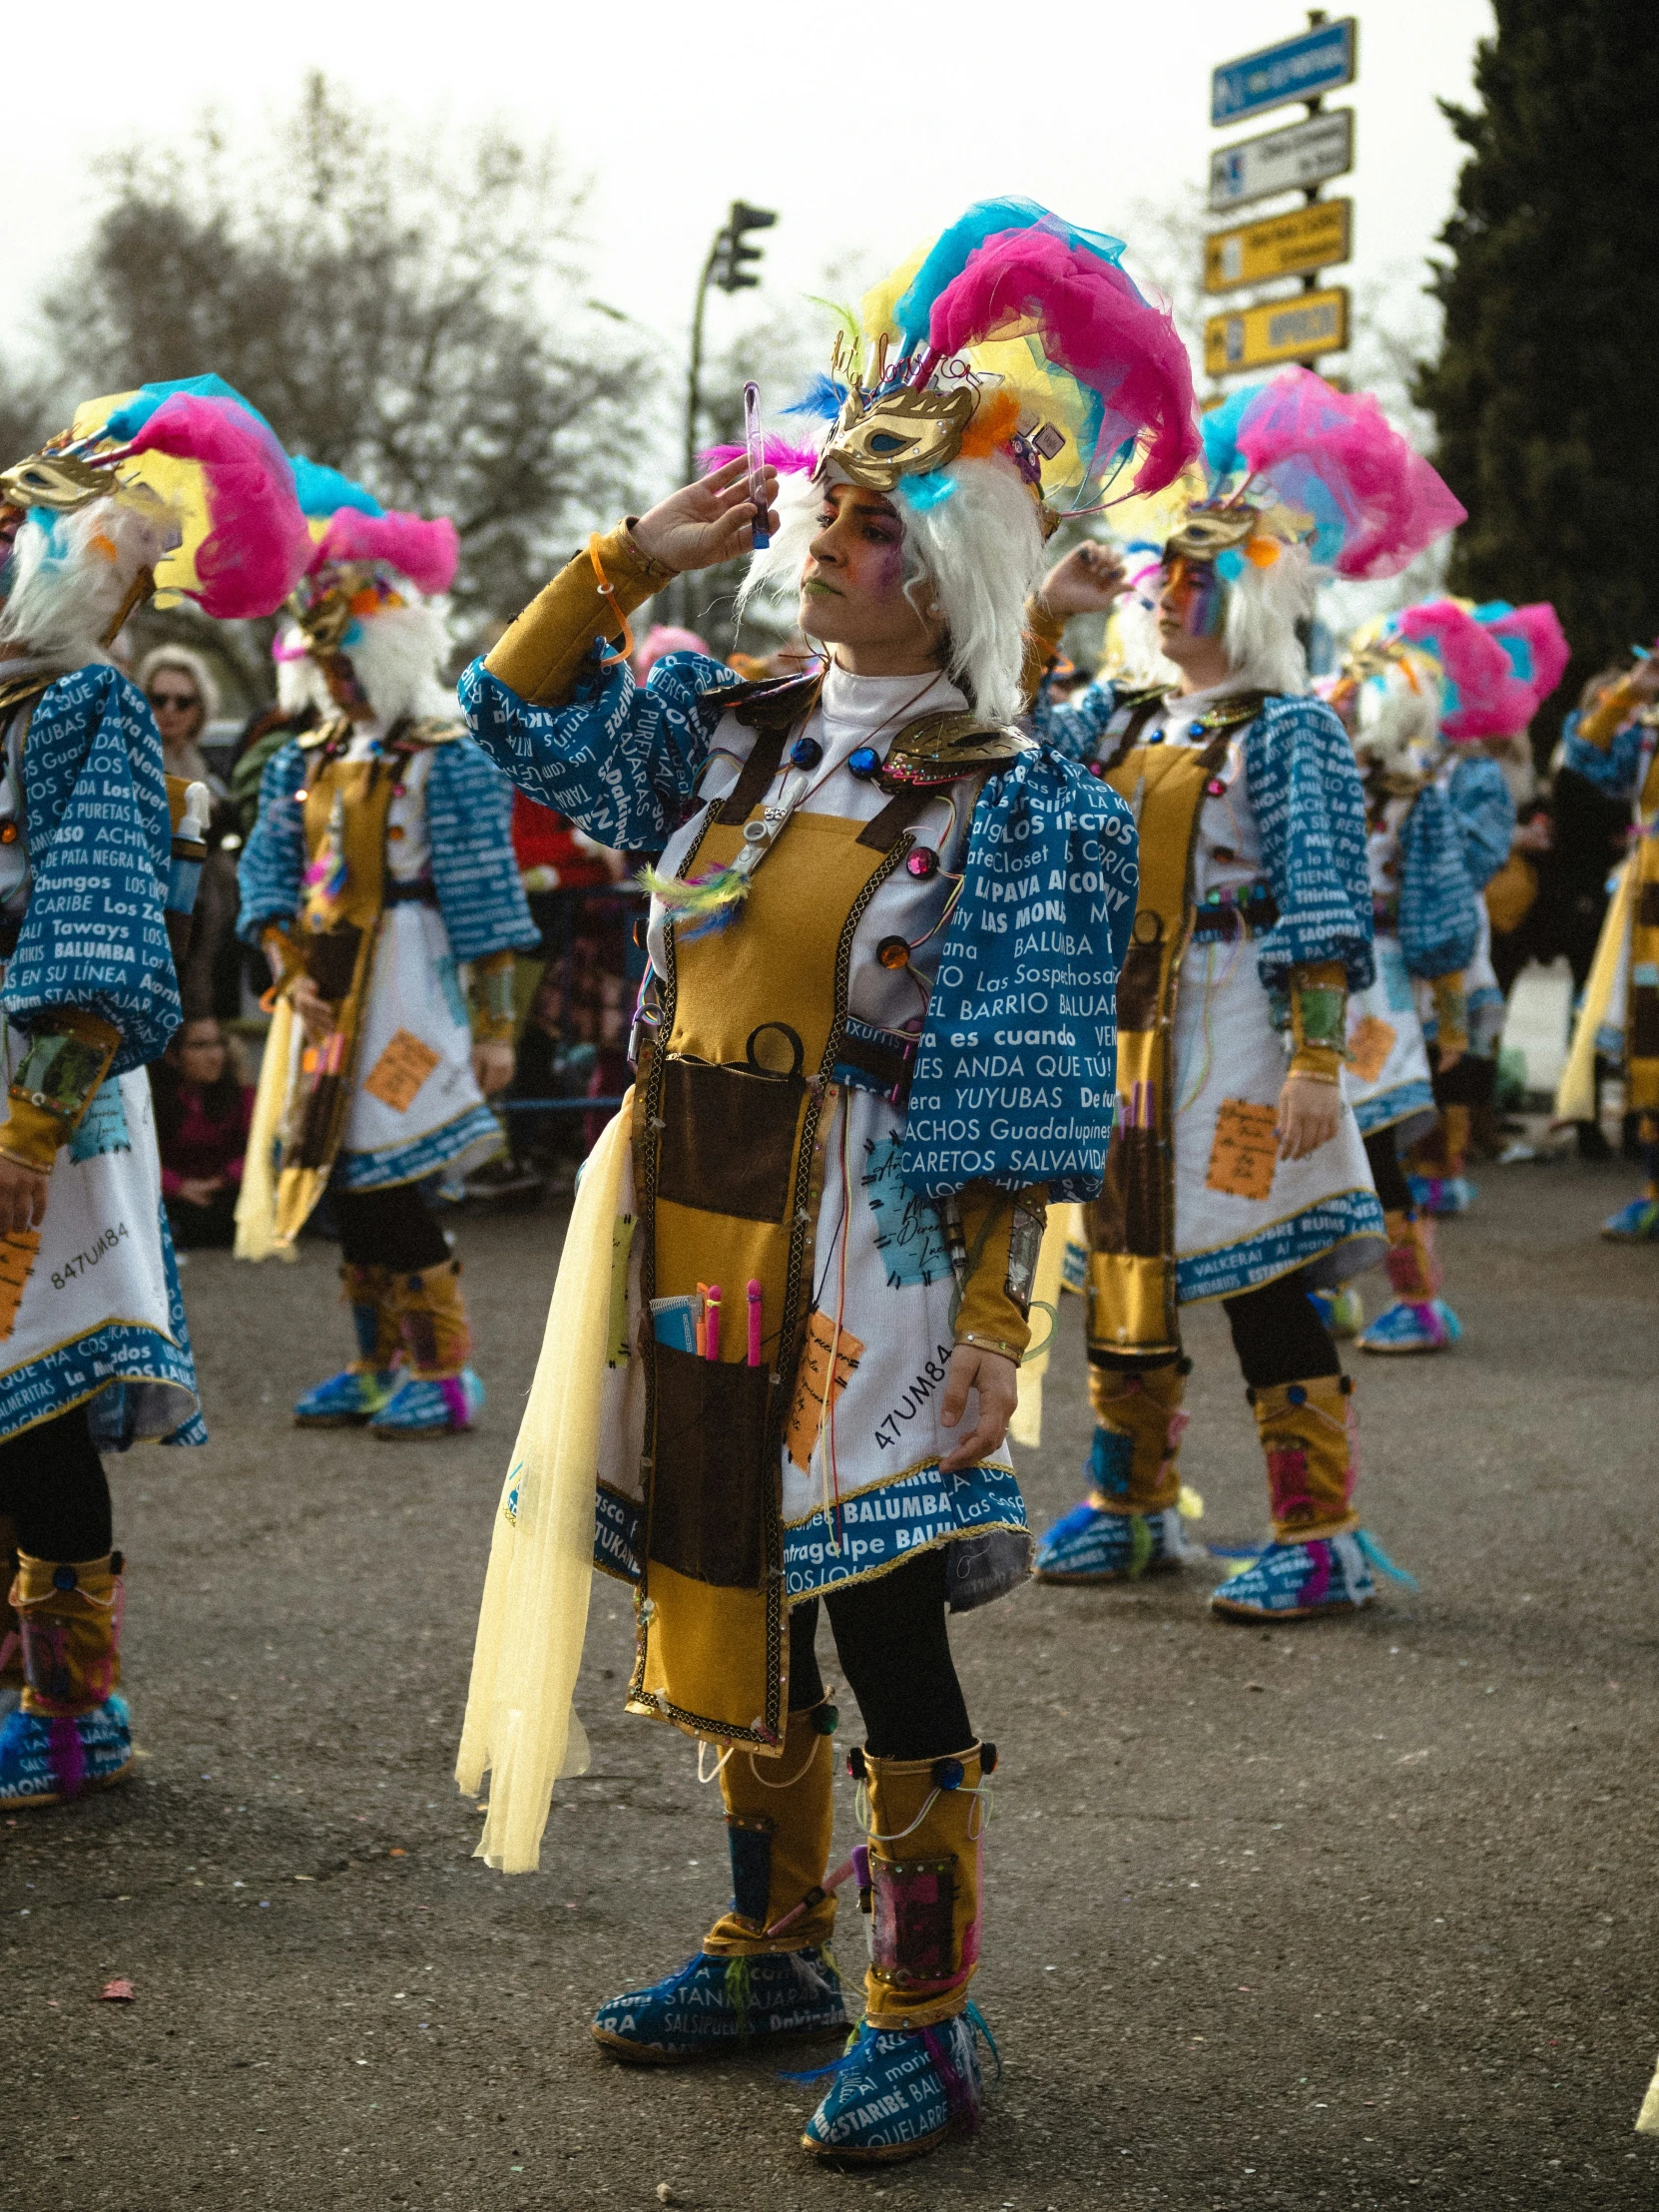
434 729
941 749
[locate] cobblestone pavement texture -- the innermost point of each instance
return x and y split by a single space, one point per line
1354 1915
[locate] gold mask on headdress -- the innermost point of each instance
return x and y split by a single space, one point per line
56 481
899 433
1208 531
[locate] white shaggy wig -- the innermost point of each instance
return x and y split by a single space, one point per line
71 573
396 657
977 553
1398 715
1264 606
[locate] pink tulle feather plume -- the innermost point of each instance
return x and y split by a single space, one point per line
777 453
257 544
1091 321
1540 626
1485 698
426 552
1309 438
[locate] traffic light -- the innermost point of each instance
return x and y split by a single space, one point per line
727 262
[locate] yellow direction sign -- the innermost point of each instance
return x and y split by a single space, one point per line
1313 236
1293 329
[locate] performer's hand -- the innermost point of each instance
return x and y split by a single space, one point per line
199 1190
492 1066
996 1378
1644 678
316 1016
1308 1112
707 522
22 1197
1085 582
1448 1058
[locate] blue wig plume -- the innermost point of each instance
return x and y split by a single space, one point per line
823 399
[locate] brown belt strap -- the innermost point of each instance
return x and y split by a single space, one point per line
754 780
902 812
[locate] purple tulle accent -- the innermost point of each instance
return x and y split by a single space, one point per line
1313 1591
257 544
1089 319
777 453
1482 695
1334 455
424 552
65 1755
454 1397
958 2083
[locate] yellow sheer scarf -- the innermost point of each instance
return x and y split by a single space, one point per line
520 1724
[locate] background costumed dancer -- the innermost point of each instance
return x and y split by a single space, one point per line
180 488
381 860
876 1038
1236 1169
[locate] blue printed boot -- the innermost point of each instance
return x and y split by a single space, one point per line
1419 1319
362 1389
898 2092
1342 1312
1293 1582
1637 1223
715 2007
440 1394
71 1730
1441 1194
1128 1525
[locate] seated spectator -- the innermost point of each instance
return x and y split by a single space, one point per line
202 1113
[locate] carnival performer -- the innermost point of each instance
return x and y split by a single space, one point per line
1412 689
1236 1170
382 857
876 1039
1611 742
178 487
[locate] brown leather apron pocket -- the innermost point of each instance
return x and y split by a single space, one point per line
332 959
729 1139
710 1487
1143 963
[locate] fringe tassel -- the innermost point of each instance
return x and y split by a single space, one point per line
709 903
1380 1559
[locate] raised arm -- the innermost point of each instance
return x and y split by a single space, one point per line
1087 581
558 710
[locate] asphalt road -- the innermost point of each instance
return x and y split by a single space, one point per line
1354 1915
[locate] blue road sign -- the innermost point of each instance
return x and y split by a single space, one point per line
1297 68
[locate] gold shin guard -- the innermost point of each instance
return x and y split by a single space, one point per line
1414 1268
1145 1409
69 1614
779 1816
367 1291
430 1315
926 1819
1307 1432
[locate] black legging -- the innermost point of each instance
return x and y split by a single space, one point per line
1278 1335
895 1653
394 1228
53 1489
1386 1173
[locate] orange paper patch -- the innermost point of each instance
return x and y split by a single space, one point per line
1368 1048
17 1257
1246 1151
400 1070
811 1393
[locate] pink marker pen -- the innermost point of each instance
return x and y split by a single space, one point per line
753 1324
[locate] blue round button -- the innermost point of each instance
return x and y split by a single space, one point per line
864 761
64 1578
1296 1394
806 752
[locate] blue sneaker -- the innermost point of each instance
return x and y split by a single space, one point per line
897 2092
347 1400
712 2005
1294 1582
1089 1544
1413 1325
1637 1223
1441 1194
43 1761
423 1407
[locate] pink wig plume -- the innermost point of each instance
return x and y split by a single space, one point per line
1092 321
1545 646
1322 446
1482 695
777 453
424 552
257 544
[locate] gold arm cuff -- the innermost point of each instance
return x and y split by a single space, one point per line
542 653
1451 1011
1318 1063
31 1136
1600 725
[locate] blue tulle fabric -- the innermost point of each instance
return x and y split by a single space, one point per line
129 420
323 491
951 252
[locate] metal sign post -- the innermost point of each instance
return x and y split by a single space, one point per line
1308 239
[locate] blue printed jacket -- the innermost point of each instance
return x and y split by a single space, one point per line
469 821
100 847
1615 771
1309 809
1439 901
622 761
1485 812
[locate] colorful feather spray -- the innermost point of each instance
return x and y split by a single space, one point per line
777 452
327 877
703 903
1481 694
426 552
1534 641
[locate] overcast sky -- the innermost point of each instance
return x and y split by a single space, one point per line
866 129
